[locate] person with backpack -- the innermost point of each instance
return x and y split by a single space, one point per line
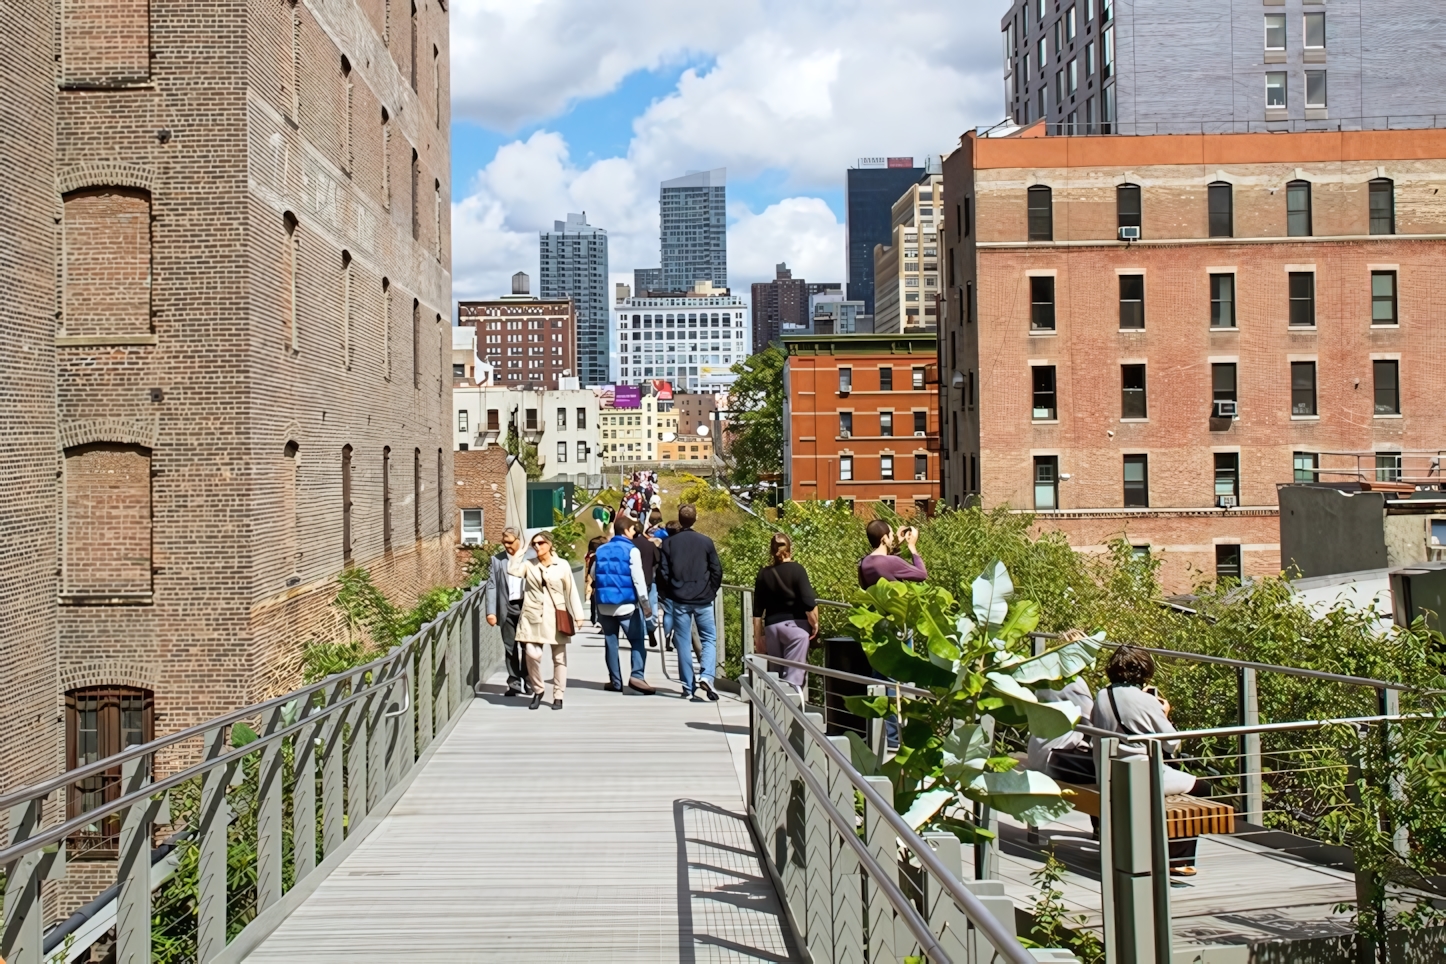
621 590
691 574
785 610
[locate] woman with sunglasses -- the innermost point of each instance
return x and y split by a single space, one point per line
549 589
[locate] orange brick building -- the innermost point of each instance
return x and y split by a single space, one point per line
859 420
1144 335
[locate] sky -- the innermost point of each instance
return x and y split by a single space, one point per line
565 106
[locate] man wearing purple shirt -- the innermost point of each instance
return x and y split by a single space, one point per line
881 563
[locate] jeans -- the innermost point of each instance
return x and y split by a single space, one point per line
684 616
630 625
653 604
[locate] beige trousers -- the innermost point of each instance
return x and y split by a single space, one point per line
559 668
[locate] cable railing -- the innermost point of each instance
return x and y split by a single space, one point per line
260 804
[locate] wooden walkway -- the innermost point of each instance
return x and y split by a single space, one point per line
610 831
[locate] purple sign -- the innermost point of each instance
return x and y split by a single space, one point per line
628 396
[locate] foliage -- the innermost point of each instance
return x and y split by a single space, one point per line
755 428
703 496
1053 925
567 531
374 622
479 564
975 660
524 450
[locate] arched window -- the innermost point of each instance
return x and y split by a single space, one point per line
1041 213
387 498
1297 209
416 493
291 264
346 503
101 721
387 328
107 284
346 342
291 511
1127 207
1383 206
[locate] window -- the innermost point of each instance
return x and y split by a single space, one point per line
1222 301
471 527
107 253
1383 298
1041 213
561 452
461 420
1127 205
921 423
1107 58
562 418
846 468
1315 32
1132 301
1388 386
581 418
917 379
346 503
101 721
459 371
886 424
1275 90
1041 307
1227 562
581 452
921 467
1307 466
1045 398
1222 210
107 519
105 43
1137 481
1275 31
1071 24
1315 88
1227 476
1302 388
886 379
416 493
1297 209
845 424
1046 482
886 466
845 380
530 420
1222 386
1383 206
1132 392
1073 76
1388 467
1302 299
387 498
493 422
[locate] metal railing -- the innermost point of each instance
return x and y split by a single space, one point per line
322 765
860 885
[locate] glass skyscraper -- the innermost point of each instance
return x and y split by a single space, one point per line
693 213
574 264
873 187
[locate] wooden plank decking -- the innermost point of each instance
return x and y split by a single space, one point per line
610 831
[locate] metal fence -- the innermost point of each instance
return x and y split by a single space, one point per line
281 792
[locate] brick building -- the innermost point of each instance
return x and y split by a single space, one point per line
783 306
1145 335
859 420
240 247
481 497
528 341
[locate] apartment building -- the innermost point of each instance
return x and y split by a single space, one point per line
693 231
783 306
528 342
1145 335
906 271
1154 67
860 421
573 258
693 339
563 424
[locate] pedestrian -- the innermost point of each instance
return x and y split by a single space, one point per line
691 575
648 554
882 563
622 591
502 600
550 614
587 572
672 528
656 529
785 610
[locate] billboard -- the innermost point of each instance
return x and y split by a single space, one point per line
901 162
663 390
628 396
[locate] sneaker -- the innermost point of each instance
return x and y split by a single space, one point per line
686 693
514 691
707 687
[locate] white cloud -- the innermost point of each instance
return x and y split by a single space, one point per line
802 87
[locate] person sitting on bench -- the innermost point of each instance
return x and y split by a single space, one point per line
1130 705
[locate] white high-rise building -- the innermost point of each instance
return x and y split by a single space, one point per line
692 340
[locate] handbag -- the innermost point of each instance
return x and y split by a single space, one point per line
562 617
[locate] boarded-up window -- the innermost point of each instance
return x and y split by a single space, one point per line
105 42
107 262
291 512
107 522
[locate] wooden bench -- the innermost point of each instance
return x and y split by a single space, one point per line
1185 816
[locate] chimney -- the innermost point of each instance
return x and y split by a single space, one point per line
521 284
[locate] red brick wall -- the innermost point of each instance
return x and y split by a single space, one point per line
104 41
107 520
481 483
107 262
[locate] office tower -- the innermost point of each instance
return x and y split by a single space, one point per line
574 264
873 187
692 339
906 285
693 215
1142 344
647 279
1097 66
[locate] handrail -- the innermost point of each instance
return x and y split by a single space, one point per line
1257 728
977 913
851 677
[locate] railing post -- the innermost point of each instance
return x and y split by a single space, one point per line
848 907
1160 855
1389 704
745 608
269 885
303 796
133 905
22 937
333 779
1252 763
426 680
214 823
1132 845
357 772
1105 748
884 846
946 921
817 897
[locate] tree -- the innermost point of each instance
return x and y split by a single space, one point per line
526 451
755 428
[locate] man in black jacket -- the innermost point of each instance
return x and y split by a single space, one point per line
689 575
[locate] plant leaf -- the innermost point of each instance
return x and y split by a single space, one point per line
241 735
1026 795
1046 720
862 756
1060 663
990 592
869 707
889 657
966 751
925 805
1023 618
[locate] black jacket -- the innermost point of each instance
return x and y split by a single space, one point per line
691 571
649 554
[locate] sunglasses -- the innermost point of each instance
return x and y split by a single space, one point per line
536 543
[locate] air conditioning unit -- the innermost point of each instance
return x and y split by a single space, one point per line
844 433
1226 409
920 434
1226 501
1130 232
921 476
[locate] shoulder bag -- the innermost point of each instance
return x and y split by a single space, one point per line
561 616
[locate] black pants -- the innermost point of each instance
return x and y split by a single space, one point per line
516 668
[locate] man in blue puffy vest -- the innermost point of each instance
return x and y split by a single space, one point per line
622 602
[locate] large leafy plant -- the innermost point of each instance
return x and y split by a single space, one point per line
975 660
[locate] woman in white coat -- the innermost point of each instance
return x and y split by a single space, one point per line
548 588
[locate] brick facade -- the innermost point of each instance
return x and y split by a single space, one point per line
481 483
244 269
527 341
997 346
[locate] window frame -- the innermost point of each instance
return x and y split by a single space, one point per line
1300 291
110 739
1136 493
845 424
464 529
1044 386
1392 300
1298 219
1229 570
921 474
1221 221
1311 472
846 468
1227 471
1042 313
1039 219
886 378
1132 310
1377 187
1221 305
1127 195
886 423
886 467
1278 80
845 380
1305 31
1388 466
1303 389
1134 398
1392 392
1046 479
1316 94
1279 24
